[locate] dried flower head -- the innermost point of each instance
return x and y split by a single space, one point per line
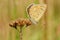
20 22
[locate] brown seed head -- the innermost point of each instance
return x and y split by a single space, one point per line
20 22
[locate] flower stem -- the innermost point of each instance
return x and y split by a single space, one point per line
21 34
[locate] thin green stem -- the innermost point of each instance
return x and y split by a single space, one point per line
21 34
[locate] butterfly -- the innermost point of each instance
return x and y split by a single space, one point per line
35 12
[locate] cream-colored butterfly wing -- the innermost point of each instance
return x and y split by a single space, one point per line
35 11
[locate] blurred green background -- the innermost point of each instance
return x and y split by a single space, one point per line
48 27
